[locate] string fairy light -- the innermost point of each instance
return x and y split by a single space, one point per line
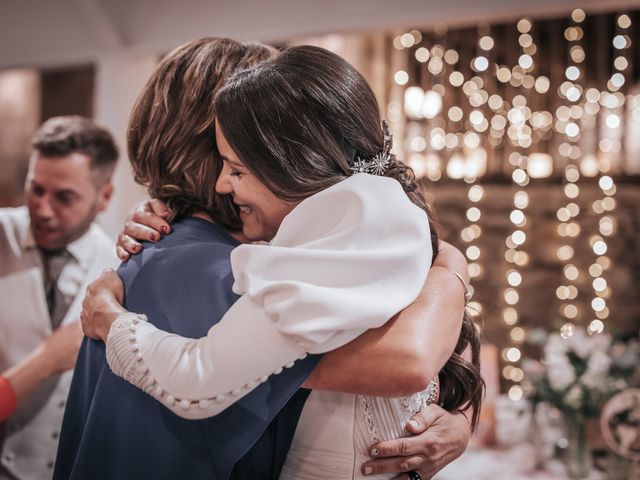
601 290
476 159
517 257
420 105
569 124
520 136
465 112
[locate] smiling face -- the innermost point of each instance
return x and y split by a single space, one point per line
260 210
62 198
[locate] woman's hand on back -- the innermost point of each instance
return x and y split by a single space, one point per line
438 438
147 221
101 305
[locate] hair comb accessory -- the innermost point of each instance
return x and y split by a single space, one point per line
378 164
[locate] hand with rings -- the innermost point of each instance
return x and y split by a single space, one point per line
439 437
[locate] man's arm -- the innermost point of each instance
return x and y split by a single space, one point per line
404 355
56 354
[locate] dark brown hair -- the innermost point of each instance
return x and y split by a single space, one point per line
61 136
295 122
171 136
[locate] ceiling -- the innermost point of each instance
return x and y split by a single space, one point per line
45 33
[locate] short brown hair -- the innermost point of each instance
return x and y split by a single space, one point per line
61 136
171 136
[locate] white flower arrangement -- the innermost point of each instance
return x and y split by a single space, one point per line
581 372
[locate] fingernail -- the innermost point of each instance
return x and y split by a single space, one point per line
375 452
368 470
164 229
136 247
414 423
154 237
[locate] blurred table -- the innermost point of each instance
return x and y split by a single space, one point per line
517 463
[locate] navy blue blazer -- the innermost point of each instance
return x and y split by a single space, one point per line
112 430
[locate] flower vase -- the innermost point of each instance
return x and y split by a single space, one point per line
578 455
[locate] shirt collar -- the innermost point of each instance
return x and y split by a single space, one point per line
27 240
81 249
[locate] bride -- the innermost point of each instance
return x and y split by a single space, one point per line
307 161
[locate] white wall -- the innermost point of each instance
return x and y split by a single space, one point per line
119 80
44 32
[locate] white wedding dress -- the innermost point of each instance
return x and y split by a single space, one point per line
336 431
344 260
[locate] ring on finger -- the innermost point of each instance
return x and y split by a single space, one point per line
413 475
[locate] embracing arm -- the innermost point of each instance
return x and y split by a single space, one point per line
396 359
437 438
405 354
298 298
195 378
56 354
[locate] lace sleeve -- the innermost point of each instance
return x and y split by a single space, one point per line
199 378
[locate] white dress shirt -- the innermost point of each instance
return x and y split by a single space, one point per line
344 260
31 439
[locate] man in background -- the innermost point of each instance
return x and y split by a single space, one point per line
50 249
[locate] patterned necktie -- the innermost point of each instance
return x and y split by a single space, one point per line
57 302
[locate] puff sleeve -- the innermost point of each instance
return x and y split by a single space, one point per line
344 260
